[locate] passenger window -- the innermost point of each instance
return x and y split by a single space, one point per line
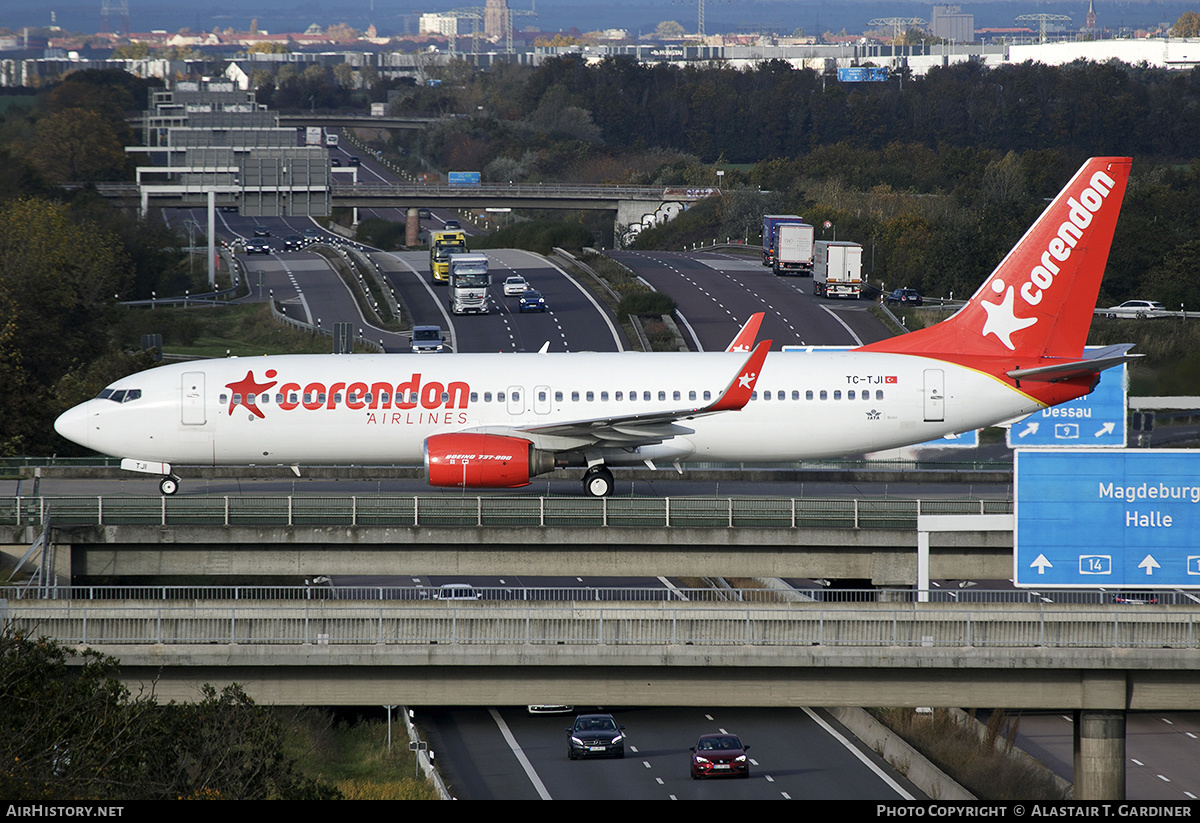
692 395
662 395
850 394
516 396
487 397
646 396
591 396
542 396
499 397
837 395
474 397
603 397
384 397
619 396
795 394
808 395
237 398
708 395
223 399
574 397
824 394
766 395
321 398
558 396
753 395
676 396
879 394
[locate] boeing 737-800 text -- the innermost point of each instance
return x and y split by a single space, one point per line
496 420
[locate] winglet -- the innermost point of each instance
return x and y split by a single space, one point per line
737 393
745 338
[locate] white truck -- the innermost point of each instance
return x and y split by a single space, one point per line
793 249
313 136
837 269
469 280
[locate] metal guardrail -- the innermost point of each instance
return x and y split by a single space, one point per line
629 626
456 511
318 591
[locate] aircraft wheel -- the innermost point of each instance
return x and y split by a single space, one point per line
168 485
598 482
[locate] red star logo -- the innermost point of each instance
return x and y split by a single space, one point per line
245 388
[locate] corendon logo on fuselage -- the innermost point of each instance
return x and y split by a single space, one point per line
1002 319
384 402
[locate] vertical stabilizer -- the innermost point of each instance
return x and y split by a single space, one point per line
1039 301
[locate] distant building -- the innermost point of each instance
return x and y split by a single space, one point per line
950 24
495 17
442 24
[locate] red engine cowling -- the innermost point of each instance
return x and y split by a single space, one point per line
483 461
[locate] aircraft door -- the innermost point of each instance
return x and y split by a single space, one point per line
541 399
516 399
191 400
935 395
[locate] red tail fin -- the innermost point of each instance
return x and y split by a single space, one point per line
748 335
1040 299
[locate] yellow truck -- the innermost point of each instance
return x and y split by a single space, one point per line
442 244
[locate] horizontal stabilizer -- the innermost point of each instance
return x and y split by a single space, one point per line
1093 363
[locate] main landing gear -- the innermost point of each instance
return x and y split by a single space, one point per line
598 481
168 485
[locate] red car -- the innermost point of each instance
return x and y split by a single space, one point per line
719 754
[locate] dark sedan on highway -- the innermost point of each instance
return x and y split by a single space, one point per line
595 735
532 301
717 755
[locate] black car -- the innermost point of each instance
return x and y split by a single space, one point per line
595 735
905 297
355 161
452 224
262 231
532 301
424 214
258 247
293 242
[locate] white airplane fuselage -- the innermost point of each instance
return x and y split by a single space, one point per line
379 409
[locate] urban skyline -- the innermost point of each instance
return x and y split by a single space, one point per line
725 16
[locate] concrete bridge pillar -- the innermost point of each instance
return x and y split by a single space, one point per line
1099 755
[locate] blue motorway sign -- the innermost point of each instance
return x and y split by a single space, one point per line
1107 518
1097 420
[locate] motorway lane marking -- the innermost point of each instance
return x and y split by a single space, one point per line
520 755
854 750
833 314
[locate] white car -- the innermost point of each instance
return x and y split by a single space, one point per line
457 591
515 286
1141 309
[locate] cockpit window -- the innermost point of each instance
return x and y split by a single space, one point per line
120 395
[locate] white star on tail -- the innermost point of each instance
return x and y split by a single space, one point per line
746 380
1001 320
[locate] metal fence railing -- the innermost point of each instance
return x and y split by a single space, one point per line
322 590
455 624
459 511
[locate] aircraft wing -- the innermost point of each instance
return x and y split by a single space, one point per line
648 427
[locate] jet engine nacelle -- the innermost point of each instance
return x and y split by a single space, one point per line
483 461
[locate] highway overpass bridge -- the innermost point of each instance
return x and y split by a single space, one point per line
629 205
1095 661
286 537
